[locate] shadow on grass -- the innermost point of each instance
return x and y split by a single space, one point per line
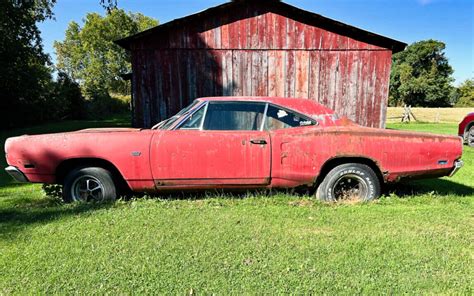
440 187
25 212
219 193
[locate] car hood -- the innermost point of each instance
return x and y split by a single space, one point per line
28 140
108 130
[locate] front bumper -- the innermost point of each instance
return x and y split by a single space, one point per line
458 164
16 174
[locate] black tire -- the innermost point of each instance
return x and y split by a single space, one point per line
469 136
89 184
349 182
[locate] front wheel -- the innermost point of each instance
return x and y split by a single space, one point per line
89 184
349 182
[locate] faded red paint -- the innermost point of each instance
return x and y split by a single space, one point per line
151 160
466 124
260 48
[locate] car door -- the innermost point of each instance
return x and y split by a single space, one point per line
220 144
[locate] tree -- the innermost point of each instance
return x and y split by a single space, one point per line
25 76
421 76
466 94
89 55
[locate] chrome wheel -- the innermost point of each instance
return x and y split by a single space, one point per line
87 188
350 187
470 137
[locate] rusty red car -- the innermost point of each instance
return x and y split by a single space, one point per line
466 129
234 143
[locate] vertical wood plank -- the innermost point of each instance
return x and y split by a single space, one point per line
270 25
262 31
246 72
236 73
324 79
218 77
181 59
225 34
314 84
280 32
385 80
191 74
302 74
253 31
259 73
352 81
227 76
255 72
290 74
234 31
290 34
299 31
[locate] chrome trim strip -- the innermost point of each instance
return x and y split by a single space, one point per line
16 174
264 117
183 120
201 126
458 164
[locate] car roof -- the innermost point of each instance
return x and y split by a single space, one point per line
303 106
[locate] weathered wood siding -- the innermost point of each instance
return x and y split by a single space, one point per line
258 53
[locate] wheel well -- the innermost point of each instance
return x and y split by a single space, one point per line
468 126
334 162
70 164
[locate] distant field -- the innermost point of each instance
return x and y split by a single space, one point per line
440 115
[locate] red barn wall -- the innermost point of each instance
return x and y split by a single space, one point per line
258 53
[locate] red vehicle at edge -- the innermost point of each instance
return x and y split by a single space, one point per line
466 129
234 142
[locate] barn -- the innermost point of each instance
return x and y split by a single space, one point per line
260 48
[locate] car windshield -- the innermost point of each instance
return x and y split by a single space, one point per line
167 123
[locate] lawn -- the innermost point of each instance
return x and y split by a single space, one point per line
416 239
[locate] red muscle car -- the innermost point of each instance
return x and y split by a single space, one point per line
234 142
466 129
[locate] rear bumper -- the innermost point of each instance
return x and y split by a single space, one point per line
458 164
16 174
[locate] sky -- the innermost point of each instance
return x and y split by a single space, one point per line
451 22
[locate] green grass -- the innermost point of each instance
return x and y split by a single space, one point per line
417 239
438 128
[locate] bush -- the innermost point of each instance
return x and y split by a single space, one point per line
102 105
466 94
66 100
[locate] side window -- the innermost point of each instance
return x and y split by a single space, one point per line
234 116
279 118
194 121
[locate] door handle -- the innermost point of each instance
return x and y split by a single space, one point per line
258 141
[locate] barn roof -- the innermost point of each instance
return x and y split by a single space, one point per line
281 8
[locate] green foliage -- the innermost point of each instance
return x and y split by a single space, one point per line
66 100
25 78
103 105
466 94
89 55
421 76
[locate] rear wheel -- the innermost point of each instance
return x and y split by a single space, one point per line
470 137
349 182
89 184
